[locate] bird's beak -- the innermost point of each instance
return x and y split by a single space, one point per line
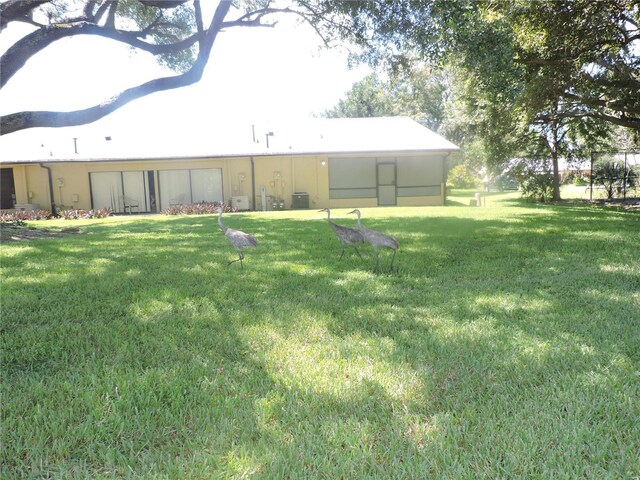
352 211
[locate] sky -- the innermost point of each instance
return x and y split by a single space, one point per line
254 76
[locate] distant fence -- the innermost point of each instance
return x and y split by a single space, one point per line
615 175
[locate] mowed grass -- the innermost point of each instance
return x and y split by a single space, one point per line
506 345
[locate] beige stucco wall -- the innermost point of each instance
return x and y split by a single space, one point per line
281 176
353 202
31 185
74 192
426 201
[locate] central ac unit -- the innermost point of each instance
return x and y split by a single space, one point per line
240 202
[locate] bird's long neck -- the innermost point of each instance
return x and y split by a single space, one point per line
328 215
222 226
358 214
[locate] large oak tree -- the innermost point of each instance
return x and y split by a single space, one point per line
175 31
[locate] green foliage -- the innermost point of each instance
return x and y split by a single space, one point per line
169 24
367 98
577 179
613 176
461 176
419 95
537 187
546 78
159 24
559 44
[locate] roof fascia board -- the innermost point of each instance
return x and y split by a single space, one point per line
239 155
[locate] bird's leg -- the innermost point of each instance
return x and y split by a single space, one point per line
358 252
392 259
342 254
239 259
375 269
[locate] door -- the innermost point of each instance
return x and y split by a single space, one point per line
7 189
182 187
386 184
107 191
122 192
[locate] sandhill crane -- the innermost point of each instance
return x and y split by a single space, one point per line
377 240
347 235
238 239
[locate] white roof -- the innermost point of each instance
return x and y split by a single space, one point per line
320 136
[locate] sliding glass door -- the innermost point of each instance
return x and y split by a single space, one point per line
181 187
122 192
132 192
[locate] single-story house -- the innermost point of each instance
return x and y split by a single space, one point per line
316 163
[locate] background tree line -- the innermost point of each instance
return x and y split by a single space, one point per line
502 78
510 79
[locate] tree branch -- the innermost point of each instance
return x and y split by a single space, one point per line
111 15
255 18
101 11
18 54
13 10
618 105
23 120
629 122
163 3
88 10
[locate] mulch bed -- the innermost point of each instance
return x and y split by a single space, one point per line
17 233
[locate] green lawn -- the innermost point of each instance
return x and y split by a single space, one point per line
506 345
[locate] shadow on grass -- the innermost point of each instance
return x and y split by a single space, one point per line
140 351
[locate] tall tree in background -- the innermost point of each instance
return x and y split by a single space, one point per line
585 51
419 95
581 71
541 76
367 98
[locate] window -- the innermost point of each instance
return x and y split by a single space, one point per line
352 178
181 187
122 192
419 176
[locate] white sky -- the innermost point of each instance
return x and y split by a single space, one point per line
254 75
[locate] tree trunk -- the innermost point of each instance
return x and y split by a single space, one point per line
554 159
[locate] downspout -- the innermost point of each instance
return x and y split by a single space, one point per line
54 211
253 184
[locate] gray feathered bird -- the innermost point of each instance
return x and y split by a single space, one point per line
377 240
238 239
348 236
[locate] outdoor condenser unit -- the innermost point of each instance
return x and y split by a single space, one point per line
240 202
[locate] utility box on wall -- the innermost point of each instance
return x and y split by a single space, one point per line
240 202
300 200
